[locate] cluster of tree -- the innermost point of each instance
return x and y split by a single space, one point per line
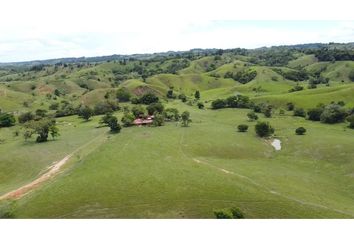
147 98
274 56
238 101
294 75
28 116
243 76
296 88
326 54
176 65
112 122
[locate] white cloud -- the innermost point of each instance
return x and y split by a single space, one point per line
41 29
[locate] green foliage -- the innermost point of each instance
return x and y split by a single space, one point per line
159 120
41 128
197 95
252 116
112 122
155 108
200 105
290 106
85 112
237 213
242 128
105 107
350 119
314 114
138 111
185 116
128 119
25 117
238 101
299 112
171 114
182 97
123 95
333 113
54 106
218 103
243 76
300 131
170 94
148 98
264 129
351 75
7 120
223 214
296 88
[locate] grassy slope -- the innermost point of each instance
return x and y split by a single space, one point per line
163 180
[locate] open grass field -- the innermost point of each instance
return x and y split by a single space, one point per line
166 172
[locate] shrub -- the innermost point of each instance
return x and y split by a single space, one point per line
185 118
252 116
128 119
237 213
296 88
350 119
182 97
218 103
105 107
290 106
155 108
314 114
85 112
171 114
200 105
299 112
123 95
138 111
54 106
25 117
300 131
148 98
159 120
333 113
7 120
242 128
264 129
223 214
268 112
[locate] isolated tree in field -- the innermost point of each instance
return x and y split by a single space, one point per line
264 129
197 95
242 128
290 106
170 93
300 131
185 118
252 116
7 120
112 122
42 128
85 112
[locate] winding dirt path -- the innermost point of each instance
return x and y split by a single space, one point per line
52 171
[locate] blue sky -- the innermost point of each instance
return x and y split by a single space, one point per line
41 30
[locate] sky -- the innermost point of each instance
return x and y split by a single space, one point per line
38 29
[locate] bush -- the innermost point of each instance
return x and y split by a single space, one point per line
200 105
123 95
128 119
159 120
252 116
290 106
148 98
85 112
268 112
155 108
299 112
296 88
333 113
314 114
242 128
182 97
350 119
300 131
54 106
171 114
105 107
223 214
237 213
264 129
218 103
7 120
25 117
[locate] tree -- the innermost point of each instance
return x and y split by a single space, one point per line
299 112
148 98
223 214
182 97
25 117
264 129
185 118
105 107
159 120
300 131
333 113
171 114
128 119
112 122
237 213
252 116
42 128
350 119
242 128
155 108
200 105
54 131
41 113
267 111
218 103
123 95
290 106
85 112
170 93
197 95
314 114
138 111
7 119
